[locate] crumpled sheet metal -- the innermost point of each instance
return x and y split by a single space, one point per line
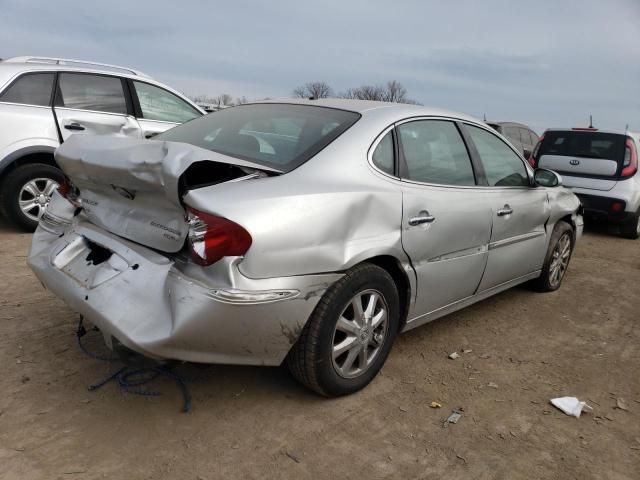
174 315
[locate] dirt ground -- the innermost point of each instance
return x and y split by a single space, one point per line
258 423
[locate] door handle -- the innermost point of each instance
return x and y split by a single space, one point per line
421 219
506 210
74 126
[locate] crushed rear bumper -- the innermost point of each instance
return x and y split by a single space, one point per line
166 307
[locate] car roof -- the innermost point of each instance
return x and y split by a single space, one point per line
587 130
509 124
72 64
11 67
368 106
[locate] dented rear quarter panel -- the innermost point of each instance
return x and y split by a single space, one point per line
327 215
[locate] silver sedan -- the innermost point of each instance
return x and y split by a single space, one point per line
308 232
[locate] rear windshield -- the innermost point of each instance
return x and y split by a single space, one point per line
279 136
609 146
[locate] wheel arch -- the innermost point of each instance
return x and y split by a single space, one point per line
393 267
23 156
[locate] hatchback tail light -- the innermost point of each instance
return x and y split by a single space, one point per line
212 237
533 158
630 164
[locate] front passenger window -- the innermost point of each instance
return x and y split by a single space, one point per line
502 166
158 104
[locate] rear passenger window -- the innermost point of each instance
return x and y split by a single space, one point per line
434 152
91 92
502 166
383 154
30 89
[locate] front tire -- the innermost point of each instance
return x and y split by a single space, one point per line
349 334
26 192
557 259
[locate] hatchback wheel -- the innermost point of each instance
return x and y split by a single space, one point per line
631 229
349 334
557 259
26 192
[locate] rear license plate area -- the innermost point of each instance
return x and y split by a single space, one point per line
89 263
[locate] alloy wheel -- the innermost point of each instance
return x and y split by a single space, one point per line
360 333
560 260
35 195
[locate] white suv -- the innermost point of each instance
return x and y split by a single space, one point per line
45 100
602 170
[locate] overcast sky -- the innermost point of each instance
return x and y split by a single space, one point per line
542 62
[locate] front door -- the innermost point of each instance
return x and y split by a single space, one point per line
519 212
446 220
93 104
159 109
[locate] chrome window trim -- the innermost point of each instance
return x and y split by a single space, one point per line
372 149
414 182
69 109
485 188
30 105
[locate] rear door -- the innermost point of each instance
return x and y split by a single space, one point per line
158 109
519 211
94 104
585 159
446 219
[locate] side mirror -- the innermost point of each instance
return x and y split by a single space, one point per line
546 178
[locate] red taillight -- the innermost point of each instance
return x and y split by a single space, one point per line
69 191
212 237
630 165
533 158
65 188
617 206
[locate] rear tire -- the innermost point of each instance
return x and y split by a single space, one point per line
349 334
557 259
631 228
28 184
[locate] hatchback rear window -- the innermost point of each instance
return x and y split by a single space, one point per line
609 146
279 136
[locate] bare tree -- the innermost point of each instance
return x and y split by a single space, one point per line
203 99
241 100
393 91
313 90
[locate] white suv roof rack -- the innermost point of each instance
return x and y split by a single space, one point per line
74 63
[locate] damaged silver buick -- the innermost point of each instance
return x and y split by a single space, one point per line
309 232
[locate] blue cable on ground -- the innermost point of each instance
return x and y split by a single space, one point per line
130 378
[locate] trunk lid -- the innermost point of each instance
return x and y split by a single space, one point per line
585 159
133 188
